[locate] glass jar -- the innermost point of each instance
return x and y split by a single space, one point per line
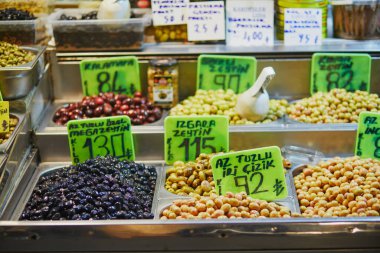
163 82
281 5
170 33
356 19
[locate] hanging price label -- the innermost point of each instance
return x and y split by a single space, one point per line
187 137
302 26
250 23
118 74
205 21
345 71
4 116
368 136
169 12
226 72
258 172
89 138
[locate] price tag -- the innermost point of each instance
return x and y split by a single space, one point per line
226 72
303 26
187 137
169 12
250 23
118 74
205 21
4 116
89 138
368 136
346 71
258 172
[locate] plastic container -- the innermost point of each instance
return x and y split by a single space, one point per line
356 19
23 32
92 35
281 5
163 82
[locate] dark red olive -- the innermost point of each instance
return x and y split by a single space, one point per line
56 116
136 121
92 104
99 101
137 94
118 112
98 111
157 113
107 109
131 114
64 119
90 113
151 119
137 100
124 107
127 101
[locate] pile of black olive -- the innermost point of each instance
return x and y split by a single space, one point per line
86 16
99 189
14 14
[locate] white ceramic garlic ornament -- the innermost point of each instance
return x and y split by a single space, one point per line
114 9
253 104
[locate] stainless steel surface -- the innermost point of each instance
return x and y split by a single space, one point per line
17 155
18 81
179 49
292 79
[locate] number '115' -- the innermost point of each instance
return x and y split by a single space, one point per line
199 143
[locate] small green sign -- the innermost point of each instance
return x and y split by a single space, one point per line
344 71
117 74
4 116
89 138
187 137
368 136
226 72
259 172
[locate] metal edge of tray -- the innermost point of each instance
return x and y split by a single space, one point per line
3 171
20 170
38 51
4 147
25 191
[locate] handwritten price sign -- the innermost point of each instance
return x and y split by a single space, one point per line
368 136
118 74
226 72
303 26
187 137
90 138
345 71
169 12
205 21
258 172
250 23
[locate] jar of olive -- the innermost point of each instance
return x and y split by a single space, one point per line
163 82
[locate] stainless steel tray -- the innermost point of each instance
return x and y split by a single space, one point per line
48 125
18 81
28 184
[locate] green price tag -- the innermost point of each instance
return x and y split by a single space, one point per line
118 74
4 116
258 172
226 72
89 138
368 136
344 71
187 137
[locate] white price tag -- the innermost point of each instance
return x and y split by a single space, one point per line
206 21
169 12
250 23
303 26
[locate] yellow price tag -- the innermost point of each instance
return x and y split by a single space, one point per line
4 116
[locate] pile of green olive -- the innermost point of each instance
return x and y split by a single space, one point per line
223 102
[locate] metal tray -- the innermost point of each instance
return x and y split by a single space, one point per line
18 81
4 173
47 124
165 196
28 184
